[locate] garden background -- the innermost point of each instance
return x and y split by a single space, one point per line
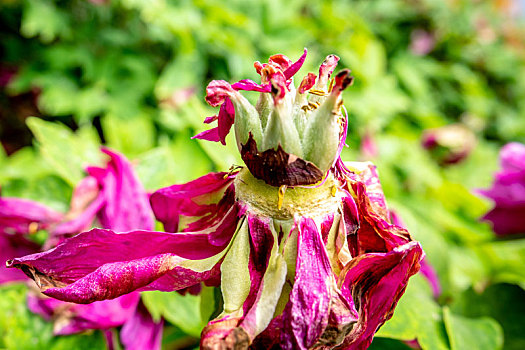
131 74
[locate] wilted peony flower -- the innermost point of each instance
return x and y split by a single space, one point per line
508 192
301 244
114 196
449 144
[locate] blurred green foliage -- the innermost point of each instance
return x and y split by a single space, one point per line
114 73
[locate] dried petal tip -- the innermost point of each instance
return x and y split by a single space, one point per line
343 79
326 70
307 83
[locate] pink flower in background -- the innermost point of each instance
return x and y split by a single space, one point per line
421 42
115 198
508 192
449 144
301 244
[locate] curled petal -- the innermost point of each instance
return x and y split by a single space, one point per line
307 83
280 60
197 198
217 91
250 85
306 314
326 69
225 120
108 264
294 68
343 79
126 205
375 282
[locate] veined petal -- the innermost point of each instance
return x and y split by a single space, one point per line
126 205
141 331
306 314
228 328
263 309
108 264
193 199
375 282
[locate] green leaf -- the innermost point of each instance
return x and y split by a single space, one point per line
417 316
184 311
503 302
130 136
472 333
21 329
42 18
68 152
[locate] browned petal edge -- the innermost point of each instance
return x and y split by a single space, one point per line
237 338
42 281
277 168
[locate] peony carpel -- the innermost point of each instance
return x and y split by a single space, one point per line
300 243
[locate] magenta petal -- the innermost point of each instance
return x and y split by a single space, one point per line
294 68
226 119
250 85
217 91
512 157
126 202
141 331
75 318
12 247
108 264
261 243
376 281
209 135
21 216
78 224
432 277
507 221
307 312
508 192
170 203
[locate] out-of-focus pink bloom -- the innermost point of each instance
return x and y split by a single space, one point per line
6 74
449 144
421 42
114 196
301 243
368 146
18 219
508 192
179 97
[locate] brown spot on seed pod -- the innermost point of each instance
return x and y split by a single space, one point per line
277 168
